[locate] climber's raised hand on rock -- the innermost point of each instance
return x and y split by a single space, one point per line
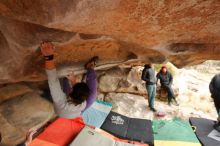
47 48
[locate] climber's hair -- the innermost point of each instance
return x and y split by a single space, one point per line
148 65
80 92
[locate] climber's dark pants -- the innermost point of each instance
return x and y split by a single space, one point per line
170 92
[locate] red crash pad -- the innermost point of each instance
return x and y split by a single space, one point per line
62 131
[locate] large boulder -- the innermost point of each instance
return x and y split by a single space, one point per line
110 79
19 114
130 105
128 80
13 90
184 32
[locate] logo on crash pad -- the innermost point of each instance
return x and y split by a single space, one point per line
117 120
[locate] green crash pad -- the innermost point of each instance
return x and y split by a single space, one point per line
176 130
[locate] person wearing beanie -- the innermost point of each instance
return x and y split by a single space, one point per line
166 81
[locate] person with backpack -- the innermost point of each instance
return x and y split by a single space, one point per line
148 75
166 81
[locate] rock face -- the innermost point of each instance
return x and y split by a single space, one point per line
127 80
184 32
13 90
19 114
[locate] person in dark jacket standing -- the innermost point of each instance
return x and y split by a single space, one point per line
148 75
166 81
214 88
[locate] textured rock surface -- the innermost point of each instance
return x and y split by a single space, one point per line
110 79
13 90
127 80
184 32
17 116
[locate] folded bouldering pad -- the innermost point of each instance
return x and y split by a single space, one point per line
129 128
176 132
119 139
39 142
97 113
61 132
203 129
90 137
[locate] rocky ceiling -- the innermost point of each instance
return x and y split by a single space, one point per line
183 32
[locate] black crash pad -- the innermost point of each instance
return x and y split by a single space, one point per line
129 128
203 128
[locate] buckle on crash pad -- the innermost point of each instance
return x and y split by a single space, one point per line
194 128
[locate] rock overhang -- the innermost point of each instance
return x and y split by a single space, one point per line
185 33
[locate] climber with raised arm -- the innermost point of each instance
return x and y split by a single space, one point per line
81 96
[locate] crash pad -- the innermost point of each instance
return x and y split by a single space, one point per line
203 127
129 128
174 132
39 142
119 139
97 113
61 132
90 137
